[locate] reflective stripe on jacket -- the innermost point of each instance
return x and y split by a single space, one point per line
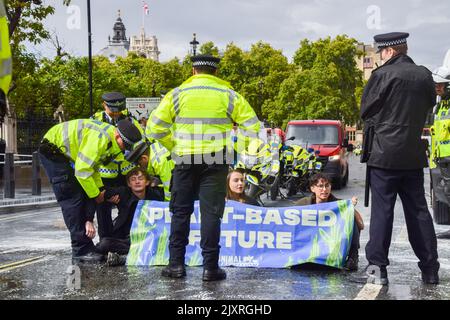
88 143
197 117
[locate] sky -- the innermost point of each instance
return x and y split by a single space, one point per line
281 23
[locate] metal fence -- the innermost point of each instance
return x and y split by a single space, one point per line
30 130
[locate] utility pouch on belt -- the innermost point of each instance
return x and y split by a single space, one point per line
51 152
60 179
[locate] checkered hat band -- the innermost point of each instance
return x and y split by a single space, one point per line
391 43
116 104
125 139
205 63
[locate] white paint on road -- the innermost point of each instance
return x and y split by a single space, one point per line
26 216
369 292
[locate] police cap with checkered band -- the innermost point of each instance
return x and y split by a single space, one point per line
390 39
205 60
115 101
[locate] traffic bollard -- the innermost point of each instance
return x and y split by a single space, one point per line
9 179
36 175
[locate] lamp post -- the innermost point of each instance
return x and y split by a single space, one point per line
90 54
194 43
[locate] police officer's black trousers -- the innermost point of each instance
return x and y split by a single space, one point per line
75 204
208 184
408 184
104 209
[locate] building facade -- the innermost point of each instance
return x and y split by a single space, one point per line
119 45
145 46
369 60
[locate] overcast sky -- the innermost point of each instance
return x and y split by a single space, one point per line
282 23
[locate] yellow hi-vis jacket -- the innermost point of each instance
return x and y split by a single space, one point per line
160 164
5 51
197 117
114 168
440 134
88 143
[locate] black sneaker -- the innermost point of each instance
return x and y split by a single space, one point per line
115 259
443 235
352 263
178 271
214 275
91 257
430 277
377 275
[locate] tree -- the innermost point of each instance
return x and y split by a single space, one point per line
324 83
209 48
256 74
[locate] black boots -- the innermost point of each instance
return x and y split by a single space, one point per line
430 277
443 235
214 275
377 275
352 261
91 257
175 271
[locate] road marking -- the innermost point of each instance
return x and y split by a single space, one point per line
27 215
21 263
369 292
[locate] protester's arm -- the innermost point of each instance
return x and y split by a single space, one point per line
122 192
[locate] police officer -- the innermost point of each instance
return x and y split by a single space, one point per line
5 61
156 160
113 174
194 122
70 153
394 107
440 148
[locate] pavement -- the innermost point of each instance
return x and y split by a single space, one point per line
35 263
24 201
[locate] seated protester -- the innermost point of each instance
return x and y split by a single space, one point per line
235 188
320 186
140 187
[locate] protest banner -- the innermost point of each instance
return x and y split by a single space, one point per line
251 236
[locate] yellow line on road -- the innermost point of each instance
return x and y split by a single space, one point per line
19 264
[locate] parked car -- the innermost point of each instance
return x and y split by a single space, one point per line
327 137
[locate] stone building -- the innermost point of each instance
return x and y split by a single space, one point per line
369 60
145 46
119 45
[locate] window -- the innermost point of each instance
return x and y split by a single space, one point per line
307 135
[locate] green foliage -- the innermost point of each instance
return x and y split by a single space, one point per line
323 85
209 48
322 82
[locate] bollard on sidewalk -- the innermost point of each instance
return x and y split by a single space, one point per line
8 176
36 175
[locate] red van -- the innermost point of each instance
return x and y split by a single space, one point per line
328 137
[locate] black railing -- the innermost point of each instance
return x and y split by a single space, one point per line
30 130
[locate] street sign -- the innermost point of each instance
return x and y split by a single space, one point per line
142 107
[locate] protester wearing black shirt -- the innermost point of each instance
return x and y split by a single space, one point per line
140 187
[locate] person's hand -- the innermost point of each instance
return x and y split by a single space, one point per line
90 230
100 198
114 199
354 201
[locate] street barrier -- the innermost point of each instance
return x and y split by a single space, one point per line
9 173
